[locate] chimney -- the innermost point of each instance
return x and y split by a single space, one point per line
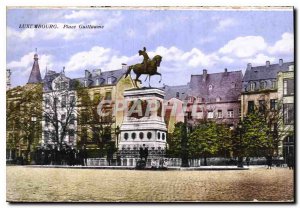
280 62
204 75
87 74
124 67
225 71
249 66
267 63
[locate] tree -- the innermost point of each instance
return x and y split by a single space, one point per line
23 118
204 140
94 128
59 111
174 141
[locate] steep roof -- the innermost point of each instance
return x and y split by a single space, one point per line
225 86
35 75
103 77
265 72
171 91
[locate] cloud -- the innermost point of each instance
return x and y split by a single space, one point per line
243 47
260 59
82 14
225 23
97 57
15 35
283 46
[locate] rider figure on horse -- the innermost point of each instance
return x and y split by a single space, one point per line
146 58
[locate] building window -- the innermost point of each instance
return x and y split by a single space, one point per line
250 106
163 136
199 99
149 135
262 85
63 85
252 86
63 101
108 95
72 119
218 99
47 102
71 135
141 135
72 99
210 114
189 115
109 80
190 99
262 106
288 87
288 113
233 85
85 83
158 135
274 84
63 117
210 87
97 81
46 136
133 135
230 113
177 94
273 104
126 136
240 112
220 114
46 121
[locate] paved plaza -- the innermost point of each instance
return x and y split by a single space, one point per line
103 185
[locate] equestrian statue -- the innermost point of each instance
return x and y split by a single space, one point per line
148 67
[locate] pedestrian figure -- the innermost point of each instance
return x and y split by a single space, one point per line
248 161
269 161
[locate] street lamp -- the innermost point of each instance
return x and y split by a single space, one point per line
117 132
240 158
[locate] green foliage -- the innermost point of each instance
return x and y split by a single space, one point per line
23 117
174 141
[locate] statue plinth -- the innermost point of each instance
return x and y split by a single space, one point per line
143 125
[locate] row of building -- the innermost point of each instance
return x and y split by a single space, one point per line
225 97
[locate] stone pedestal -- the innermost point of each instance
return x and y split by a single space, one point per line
143 125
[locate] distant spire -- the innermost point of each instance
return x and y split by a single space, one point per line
63 70
35 75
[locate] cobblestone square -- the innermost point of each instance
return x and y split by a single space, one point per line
29 184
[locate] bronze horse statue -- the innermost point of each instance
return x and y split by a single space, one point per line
151 69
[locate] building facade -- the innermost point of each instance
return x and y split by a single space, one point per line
213 96
286 96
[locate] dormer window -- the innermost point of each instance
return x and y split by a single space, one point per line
218 99
85 83
252 86
97 82
210 87
274 84
63 85
262 85
177 94
233 85
109 80
190 99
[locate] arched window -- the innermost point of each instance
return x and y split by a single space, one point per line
163 136
158 135
133 135
149 135
210 87
141 135
126 136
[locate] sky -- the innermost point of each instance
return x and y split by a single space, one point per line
188 40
